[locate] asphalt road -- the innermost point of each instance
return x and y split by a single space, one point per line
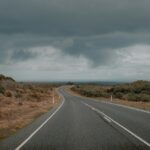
83 124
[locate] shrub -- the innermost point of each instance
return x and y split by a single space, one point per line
77 86
8 94
144 97
119 95
105 94
131 97
18 90
136 91
2 90
34 95
18 95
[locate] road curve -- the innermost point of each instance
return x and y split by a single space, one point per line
83 124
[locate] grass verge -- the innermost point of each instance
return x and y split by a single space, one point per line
135 104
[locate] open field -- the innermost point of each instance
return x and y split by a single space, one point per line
136 94
21 103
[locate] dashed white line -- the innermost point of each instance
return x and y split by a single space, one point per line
118 124
31 135
107 119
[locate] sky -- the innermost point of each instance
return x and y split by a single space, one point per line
75 40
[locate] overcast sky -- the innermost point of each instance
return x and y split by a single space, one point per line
50 40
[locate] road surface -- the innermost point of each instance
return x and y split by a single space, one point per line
83 124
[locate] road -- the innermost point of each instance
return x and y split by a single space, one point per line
83 124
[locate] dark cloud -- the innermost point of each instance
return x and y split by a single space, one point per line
70 17
3 56
101 50
104 49
22 55
97 31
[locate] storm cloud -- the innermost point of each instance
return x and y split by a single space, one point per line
98 35
70 18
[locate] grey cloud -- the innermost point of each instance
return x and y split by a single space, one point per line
16 55
101 50
3 56
22 55
70 17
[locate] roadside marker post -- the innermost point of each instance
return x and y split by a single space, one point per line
53 97
111 98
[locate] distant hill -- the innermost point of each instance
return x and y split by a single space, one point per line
5 78
6 83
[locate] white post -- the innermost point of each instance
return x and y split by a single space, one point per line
111 98
53 97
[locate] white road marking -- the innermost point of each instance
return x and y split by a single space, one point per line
137 109
99 101
118 124
107 119
31 135
93 109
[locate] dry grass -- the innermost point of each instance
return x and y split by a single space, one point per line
140 104
22 103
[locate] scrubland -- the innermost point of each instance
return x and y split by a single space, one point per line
21 103
136 94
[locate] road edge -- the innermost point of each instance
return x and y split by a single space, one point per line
107 102
42 125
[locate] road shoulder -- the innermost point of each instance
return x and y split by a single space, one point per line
141 106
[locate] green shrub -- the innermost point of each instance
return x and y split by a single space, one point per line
18 95
144 97
77 86
119 95
2 90
131 97
104 94
136 91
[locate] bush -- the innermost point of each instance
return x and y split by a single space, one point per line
131 97
18 95
104 94
136 91
144 97
8 94
2 90
34 95
77 86
119 95
21 91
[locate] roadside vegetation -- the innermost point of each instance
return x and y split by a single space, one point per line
138 91
21 103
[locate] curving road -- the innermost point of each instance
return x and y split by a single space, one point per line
83 124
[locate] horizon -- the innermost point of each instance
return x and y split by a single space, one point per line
77 81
